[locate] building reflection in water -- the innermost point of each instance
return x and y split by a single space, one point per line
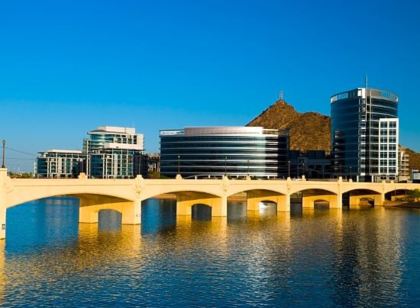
318 257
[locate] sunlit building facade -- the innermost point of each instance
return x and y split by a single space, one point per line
365 133
114 152
59 164
224 150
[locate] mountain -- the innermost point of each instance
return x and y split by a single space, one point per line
308 131
414 159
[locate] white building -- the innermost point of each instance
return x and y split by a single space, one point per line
114 152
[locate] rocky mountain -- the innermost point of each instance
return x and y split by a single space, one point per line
308 131
414 159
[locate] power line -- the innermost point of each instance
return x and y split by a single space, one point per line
21 152
18 158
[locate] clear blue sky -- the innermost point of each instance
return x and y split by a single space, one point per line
69 66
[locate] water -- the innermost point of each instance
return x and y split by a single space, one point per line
318 258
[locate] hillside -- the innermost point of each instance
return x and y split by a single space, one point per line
414 159
308 131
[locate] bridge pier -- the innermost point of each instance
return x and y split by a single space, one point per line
3 206
130 212
185 202
355 200
254 198
334 201
2 221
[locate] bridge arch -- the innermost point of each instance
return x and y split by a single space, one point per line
200 211
274 189
362 197
256 197
312 197
321 203
396 194
176 192
18 198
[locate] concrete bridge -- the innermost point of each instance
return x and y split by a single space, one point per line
126 195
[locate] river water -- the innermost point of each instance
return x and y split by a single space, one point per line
311 257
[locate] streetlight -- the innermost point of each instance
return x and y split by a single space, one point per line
225 164
179 156
303 167
3 165
248 167
288 168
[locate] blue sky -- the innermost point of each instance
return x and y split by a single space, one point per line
69 66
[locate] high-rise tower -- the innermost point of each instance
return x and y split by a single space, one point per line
364 132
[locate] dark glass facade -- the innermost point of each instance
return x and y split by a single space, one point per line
364 131
216 151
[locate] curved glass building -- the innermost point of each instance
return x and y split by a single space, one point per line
364 132
218 151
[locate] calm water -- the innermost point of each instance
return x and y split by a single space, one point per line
318 258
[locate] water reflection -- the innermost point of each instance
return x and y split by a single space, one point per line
109 221
158 216
43 223
319 257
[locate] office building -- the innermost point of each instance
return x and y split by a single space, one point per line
218 151
403 165
364 131
415 176
60 164
313 164
114 152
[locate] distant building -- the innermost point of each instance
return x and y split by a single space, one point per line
314 164
365 130
415 176
60 163
114 152
153 162
224 150
403 165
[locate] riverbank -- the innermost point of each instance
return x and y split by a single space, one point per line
405 205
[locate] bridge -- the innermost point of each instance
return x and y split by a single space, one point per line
126 195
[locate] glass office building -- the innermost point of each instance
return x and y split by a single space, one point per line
60 164
114 152
364 132
217 151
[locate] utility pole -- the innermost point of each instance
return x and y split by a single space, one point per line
3 164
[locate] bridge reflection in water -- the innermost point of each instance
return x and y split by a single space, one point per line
334 257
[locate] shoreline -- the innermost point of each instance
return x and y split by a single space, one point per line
404 205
